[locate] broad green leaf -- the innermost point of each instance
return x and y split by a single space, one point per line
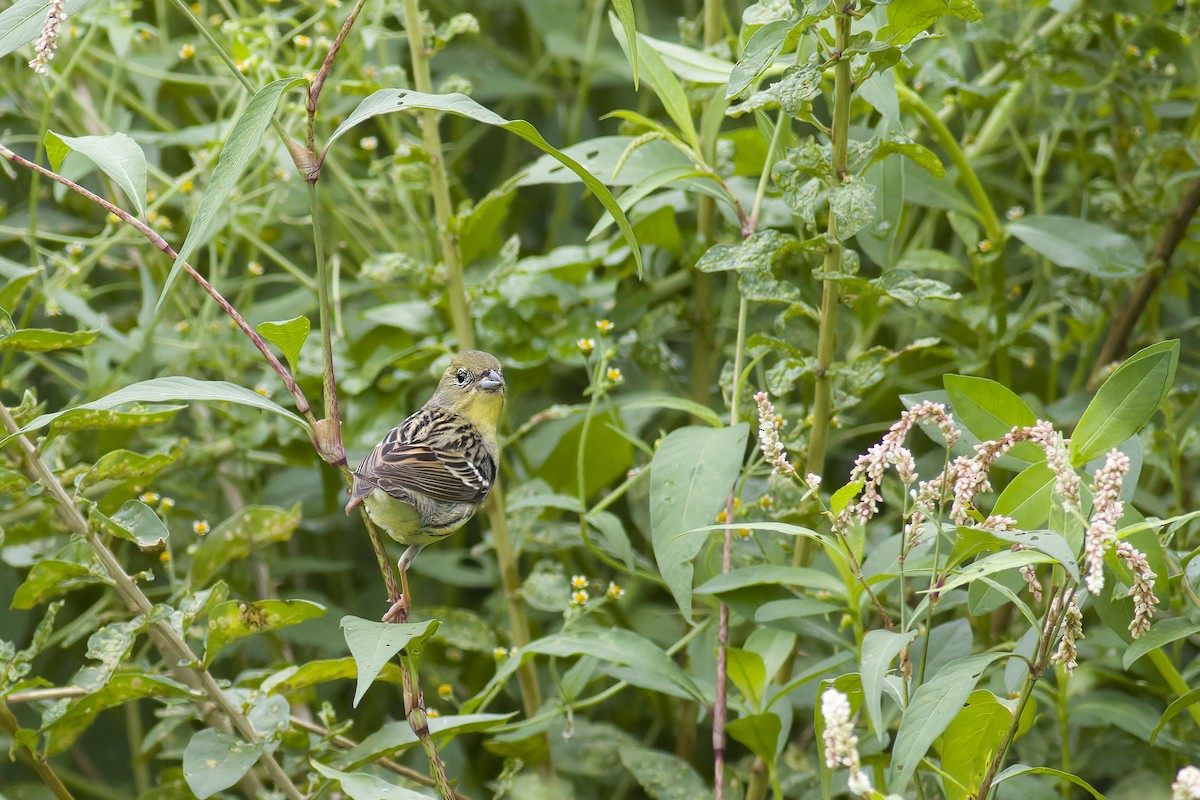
125 465
668 89
122 687
1028 496
86 419
237 152
995 563
691 65
691 475
664 776
7 328
386 101
853 204
1160 635
970 742
396 735
761 250
233 620
842 497
159 390
906 20
213 760
51 578
288 336
458 627
794 608
374 643
757 55
879 647
1049 542
759 732
22 21
1126 401
748 673
250 529
12 482
931 709
110 645
43 340
117 156
673 403
1021 769
312 673
138 523
1177 707
1073 243
777 574
366 786
990 410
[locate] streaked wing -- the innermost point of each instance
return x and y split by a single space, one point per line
435 453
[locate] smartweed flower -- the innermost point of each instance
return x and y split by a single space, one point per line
768 436
1107 510
1142 590
841 745
1067 654
47 43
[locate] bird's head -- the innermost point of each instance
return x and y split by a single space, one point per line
473 387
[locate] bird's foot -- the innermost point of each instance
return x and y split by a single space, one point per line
398 612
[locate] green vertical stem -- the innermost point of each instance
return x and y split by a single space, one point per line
822 412
439 185
328 434
418 720
10 725
506 556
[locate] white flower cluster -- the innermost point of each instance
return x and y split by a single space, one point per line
1067 653
1142 590
1186 785
841 745
768 436
1107 510
47 43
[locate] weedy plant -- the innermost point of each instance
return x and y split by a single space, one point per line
826 213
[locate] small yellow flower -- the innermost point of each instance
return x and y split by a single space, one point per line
165 557
1016 212
74 249
765 501
499 653
200 527
604 326
986 246
432 713
324 42
614 591
370 73
445 690
262 389
302 41
1133 51
722 517
144 34
322 27
614 375
743 533
310 76
149 497
255 268
579 598
282 174
166 505
113 218
586 346
181 326
196 9
512 651
579 582
187 187
368 143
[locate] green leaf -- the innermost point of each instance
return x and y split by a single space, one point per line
842 497
761 250
990 410
1177 707
125 465
237 152
879 647
7 328
909 18
933 706
141 525
1162 634
95 420
669 91
65 730
22 22
44 340
970 742
1126 401
159 390
233 620
117 156
51 578
759 732
1075 244
996 563
313 673
374 643
386 101
624 11
664 776
288 335
396 735
365 786
772 574
748 673
691 65
672 402
691 475
759 52
1028 496
12 482
213 761
1021 769
250 529
853 205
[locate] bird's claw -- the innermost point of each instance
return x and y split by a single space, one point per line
398 612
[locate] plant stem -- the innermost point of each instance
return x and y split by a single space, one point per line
329 428
439 185
418 720
822 412
176 652
10 725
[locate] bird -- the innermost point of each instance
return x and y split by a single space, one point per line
431 473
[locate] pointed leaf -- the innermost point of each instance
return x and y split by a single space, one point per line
213 760
365 786
288 335
117 156
251 528
233 620
664 776
878 649
759 732
1075 244
374 643
748 673
690 476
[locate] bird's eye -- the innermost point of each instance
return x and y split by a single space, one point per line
462 377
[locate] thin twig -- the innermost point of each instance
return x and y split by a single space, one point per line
10 725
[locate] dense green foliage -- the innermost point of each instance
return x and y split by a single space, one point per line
651 213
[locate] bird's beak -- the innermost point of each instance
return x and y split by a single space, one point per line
491 380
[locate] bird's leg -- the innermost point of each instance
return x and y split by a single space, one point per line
399 610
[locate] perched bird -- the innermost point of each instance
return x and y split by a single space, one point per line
432 472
